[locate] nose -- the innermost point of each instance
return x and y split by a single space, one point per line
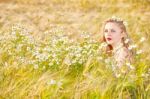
108 33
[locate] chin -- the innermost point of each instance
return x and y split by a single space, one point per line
110 43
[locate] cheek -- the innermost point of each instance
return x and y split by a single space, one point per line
117 36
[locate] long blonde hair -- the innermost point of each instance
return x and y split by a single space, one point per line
125 40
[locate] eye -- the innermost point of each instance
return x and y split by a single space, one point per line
106 30
113 30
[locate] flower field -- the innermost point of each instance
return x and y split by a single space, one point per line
51 49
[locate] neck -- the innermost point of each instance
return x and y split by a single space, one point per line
117 45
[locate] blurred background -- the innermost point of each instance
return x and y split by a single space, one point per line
74 16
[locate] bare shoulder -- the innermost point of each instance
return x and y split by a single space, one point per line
124 52
127 54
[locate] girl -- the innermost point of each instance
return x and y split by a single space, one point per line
117 39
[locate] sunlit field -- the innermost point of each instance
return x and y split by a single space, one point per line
51 49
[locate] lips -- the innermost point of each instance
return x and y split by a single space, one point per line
109 39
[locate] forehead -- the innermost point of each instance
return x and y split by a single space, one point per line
111 25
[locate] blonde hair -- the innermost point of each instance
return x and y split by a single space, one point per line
125 40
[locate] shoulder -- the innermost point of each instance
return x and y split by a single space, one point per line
124 52
122 56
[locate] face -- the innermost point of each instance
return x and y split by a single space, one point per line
112 33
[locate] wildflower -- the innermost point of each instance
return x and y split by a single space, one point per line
139 52
107 61
78 55
54 55
100 58
116 18
44 67
57 62
102 45
51 63
59 83
67 61
113 67
123 71
47 49
117 75
125 23
28 48
85 35
13 33
142 75
132 46
42 57
130 66
119 19
145 75
6 64
52 82
142 39
80 61
84 52
126 41
36 66
74 61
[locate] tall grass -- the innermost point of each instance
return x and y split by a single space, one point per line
55 53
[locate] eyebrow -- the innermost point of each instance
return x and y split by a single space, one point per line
109 29
105 29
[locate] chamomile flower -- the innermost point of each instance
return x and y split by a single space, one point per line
52 82
59 83
126 41
125 23
130 66
142 39
132 46
36 66
139 52
117 75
